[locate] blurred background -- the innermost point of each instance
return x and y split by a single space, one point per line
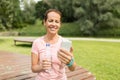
89 19
81 18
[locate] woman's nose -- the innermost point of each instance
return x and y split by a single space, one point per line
54 23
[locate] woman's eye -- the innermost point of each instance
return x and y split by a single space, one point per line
57 21
50 20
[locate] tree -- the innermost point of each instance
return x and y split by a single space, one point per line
95 15
28 12
66 9
40 8
6 15
9 14
17 19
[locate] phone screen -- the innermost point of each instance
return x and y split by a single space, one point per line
66 44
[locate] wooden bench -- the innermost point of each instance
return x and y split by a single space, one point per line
28 40
15 66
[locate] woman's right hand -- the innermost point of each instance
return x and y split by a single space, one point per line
46 64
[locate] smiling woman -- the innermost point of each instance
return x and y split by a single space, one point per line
50 43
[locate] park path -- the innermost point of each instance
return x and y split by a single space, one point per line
72 38
96 39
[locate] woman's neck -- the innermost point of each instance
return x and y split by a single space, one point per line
51 38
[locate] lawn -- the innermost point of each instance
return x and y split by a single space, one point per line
101 58
7 44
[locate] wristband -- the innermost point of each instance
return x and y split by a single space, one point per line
71 62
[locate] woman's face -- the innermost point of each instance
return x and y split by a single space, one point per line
52 23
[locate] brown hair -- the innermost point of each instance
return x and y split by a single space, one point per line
51 10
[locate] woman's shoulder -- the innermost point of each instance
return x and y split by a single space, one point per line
39 39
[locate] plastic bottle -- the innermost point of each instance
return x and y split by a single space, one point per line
48 53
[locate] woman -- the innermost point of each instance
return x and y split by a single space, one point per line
53 69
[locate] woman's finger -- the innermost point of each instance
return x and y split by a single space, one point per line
46 64
65 51
64 55
63 60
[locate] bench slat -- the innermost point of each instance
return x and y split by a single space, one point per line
18 67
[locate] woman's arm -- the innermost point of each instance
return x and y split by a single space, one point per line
35 66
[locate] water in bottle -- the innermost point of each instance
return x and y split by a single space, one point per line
48 55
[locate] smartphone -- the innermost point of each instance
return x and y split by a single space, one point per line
66 44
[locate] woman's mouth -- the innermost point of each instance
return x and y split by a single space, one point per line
52 29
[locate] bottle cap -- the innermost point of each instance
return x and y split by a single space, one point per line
47 44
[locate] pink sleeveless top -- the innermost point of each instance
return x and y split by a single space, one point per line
58 69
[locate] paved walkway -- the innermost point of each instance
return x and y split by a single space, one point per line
96 39
73 38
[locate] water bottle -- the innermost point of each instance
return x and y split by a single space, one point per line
48 55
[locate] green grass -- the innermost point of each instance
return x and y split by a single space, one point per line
101 58
8 45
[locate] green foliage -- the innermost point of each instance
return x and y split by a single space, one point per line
9 14
33 30
67 29
95 15
66 9
17 20
28 13
40 8
6 14
109 33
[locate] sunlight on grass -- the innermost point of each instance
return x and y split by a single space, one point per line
8 45
101 58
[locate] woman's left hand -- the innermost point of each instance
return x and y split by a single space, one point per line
64 56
